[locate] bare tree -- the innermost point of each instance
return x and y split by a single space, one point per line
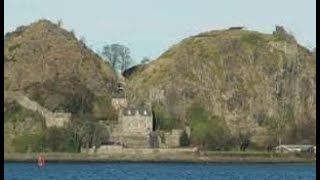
118 56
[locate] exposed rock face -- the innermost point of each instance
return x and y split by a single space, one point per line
47 62
245 77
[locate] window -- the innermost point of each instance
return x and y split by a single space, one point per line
145 112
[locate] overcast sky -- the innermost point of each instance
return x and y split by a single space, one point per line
149 27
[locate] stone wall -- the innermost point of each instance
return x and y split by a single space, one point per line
109 148
53 119
141 151
132 140
172 139
58 119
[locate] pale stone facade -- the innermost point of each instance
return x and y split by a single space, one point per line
58 119
119 103
135 126
136 120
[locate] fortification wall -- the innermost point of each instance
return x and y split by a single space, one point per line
172 139
132 140
53 119
142 151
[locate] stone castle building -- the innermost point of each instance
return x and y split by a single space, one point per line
119 99
135 127
135 124
136 120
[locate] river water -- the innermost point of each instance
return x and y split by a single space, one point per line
158 171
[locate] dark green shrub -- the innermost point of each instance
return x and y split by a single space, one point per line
184 140
163 119
29 142
208 132
59 140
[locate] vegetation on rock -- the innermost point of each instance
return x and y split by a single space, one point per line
233 88
261 86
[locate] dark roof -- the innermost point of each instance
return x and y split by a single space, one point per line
128 72
236 27
141 110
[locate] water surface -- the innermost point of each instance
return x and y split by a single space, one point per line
160 171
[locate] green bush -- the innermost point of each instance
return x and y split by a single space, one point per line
59 140
16 113
163 118
29 142
253 38
184 140
102 108
208 132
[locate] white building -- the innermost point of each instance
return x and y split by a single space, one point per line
295 148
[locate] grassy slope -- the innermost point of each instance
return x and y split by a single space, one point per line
51 66
23 129
48 62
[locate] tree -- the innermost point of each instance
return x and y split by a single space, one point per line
209 132
89 127
81 130
244 141
163 118
98 135
58 140
118 56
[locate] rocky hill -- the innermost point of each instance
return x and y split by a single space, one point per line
51 66
261 86
48 71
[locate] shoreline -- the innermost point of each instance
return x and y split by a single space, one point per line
217 158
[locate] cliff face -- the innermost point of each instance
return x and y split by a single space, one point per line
52 67
261 84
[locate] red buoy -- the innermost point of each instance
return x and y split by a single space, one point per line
41 161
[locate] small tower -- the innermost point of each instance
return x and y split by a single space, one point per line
118 95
